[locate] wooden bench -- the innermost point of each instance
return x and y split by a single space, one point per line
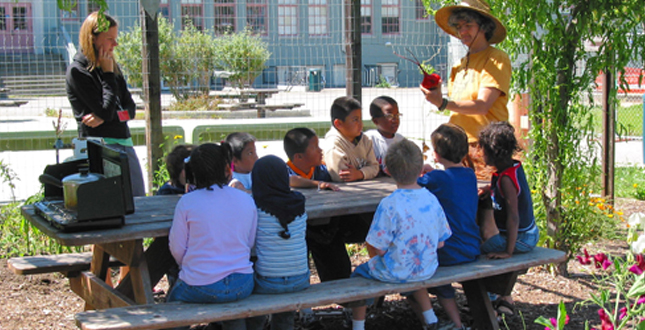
69 264
477 279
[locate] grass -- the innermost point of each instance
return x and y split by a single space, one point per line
629 120
629 181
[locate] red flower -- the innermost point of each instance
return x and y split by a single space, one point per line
623 313
601 260
606 322
639 267
586 259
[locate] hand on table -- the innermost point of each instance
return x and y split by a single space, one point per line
498 255
351 174
92 120
327 185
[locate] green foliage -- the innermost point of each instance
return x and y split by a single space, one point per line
198 102
547 40
243 54
383 83
629 120
184 60
630 182
18 237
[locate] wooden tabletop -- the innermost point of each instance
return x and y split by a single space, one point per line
153 215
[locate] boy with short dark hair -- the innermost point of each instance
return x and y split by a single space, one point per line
305 160
351 155
386 116
408 227
456 189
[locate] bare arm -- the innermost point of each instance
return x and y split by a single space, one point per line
485 99
373 252
300 182
512 221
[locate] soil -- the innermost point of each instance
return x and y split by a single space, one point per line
46 302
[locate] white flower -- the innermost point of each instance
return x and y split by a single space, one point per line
636 220
639 245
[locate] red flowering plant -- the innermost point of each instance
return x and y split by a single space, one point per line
621 290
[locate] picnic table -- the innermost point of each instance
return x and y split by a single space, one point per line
260 95
153 218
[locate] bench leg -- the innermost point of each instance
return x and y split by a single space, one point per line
481 308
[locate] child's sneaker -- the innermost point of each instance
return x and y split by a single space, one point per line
448 325
431 326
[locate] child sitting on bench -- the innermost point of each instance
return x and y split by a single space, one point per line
408 228
512 228
213 255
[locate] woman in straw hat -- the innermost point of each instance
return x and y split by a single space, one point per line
478 86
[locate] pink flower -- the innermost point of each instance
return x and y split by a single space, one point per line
639 267
640 300
601 260
586 259
606 322
623 313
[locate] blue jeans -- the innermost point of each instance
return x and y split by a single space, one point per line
526 241
271 285
231 288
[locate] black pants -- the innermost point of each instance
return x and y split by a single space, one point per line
327 244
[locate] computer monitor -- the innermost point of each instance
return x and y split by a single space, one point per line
111 162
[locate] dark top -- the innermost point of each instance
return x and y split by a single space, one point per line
168 189
101 93
320 173
456 189
524 201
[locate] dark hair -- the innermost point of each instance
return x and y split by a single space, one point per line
498 142
238 141
450 142
297 140
207 165
376 107
469 15
404 161
175 161
342 107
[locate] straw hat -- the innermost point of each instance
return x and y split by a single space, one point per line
481 6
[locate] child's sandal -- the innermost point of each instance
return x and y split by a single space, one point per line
504 307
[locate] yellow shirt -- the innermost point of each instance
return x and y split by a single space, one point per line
488 68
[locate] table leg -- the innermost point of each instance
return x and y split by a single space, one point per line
131 254
481 308
159 261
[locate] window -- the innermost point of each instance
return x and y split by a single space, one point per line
164 9
3 19
92 7
224 16
317 17
390 17
256 16
287 17
366 16
20 18
420 10
192 14
71 15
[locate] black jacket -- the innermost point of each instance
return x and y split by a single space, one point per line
100 93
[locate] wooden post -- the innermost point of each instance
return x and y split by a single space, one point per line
353 48
608 142
151 85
